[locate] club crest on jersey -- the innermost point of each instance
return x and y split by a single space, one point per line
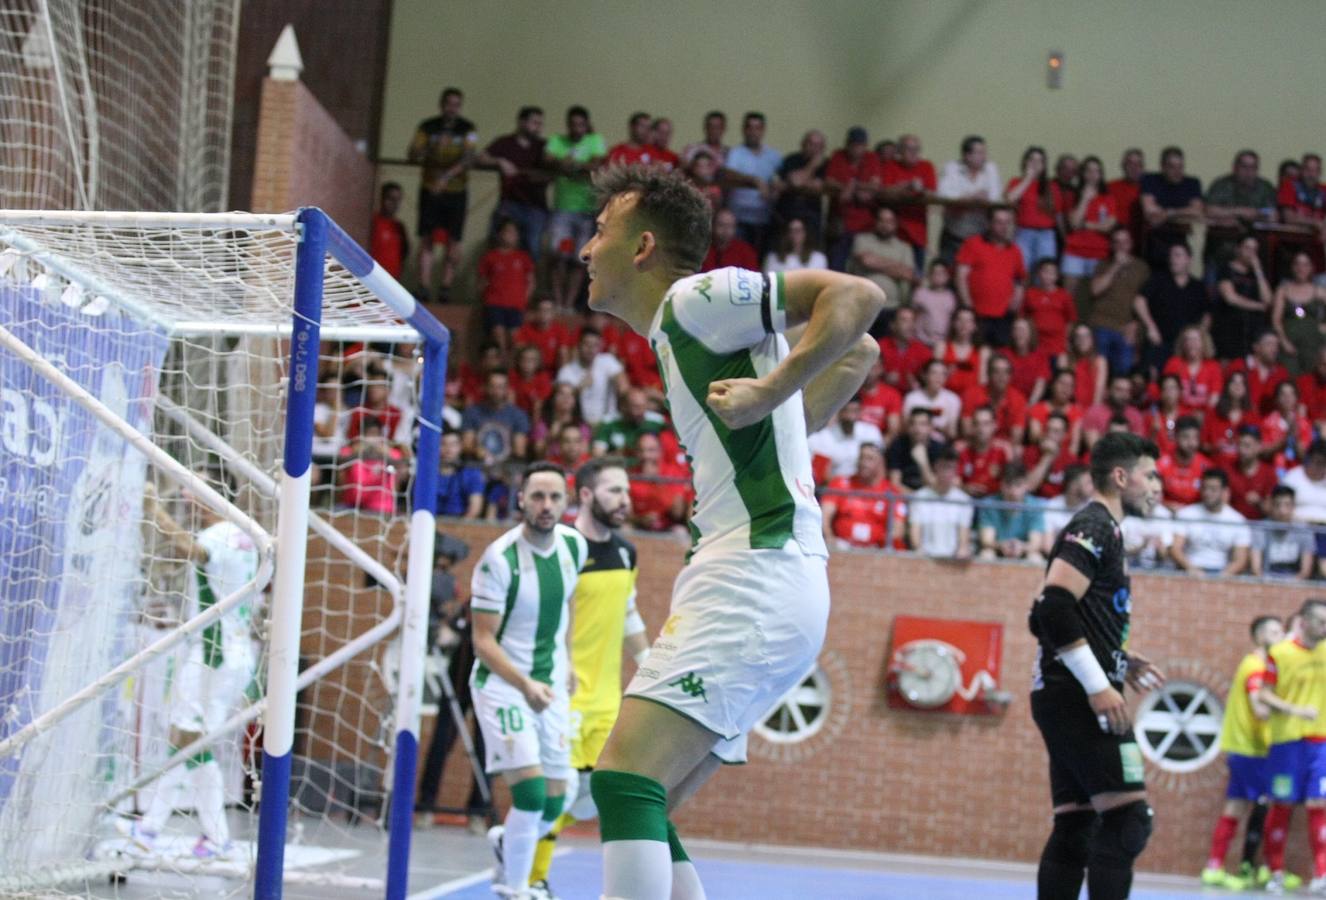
1084 541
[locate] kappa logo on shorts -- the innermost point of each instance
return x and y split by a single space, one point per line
691 685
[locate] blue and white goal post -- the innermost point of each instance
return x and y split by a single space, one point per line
174 381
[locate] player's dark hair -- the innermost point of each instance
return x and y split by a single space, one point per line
1214 474
1118 449
587 476
1187 423
1282 490
666 203
1309 603
536 468
527 111
1257 624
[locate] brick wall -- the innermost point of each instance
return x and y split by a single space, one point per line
303 158
881 779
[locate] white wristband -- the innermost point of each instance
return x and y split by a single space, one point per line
1082 663
641 656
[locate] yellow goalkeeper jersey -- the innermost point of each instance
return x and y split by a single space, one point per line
604 596
1298 675
1242 732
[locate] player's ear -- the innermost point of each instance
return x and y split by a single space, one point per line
646 250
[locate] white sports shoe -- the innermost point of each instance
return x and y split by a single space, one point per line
140 839
495 835
1276 886
206 848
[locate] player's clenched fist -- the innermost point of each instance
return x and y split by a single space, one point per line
740 402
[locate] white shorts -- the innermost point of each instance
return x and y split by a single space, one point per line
202 698
745 627
516 737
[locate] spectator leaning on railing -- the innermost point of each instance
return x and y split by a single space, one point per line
939 518
1283 548
1211 537
1015 529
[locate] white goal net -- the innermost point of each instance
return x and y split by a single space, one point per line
109 104
145 392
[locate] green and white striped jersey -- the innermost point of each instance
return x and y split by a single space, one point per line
529 589
753 486
232 560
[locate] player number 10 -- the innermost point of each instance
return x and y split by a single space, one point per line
510 720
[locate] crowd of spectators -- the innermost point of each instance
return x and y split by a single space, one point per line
1062 304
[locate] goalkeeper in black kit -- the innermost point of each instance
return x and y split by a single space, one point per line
1081 621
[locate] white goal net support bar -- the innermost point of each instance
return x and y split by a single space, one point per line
136 290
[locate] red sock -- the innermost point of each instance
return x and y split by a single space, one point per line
1317 839
1277 832
1224 833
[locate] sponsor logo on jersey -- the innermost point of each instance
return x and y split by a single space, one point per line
1083 541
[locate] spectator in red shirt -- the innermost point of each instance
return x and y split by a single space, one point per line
638 357
906 181
1061 399
902 355
1263 370
1065 179
661 136
1181 469
389 243
1221 424
1312 391
506 283
1118 403
1286 430
1036 199
1199 376
660 489
852 519
542 330
852 181
1251 479
1050 307
368 470
881 404
991 277
1126 192
703 173
531 384
962 353
374 407
472 376
1302 200
1031 364
1090 222
727 249
1088 366
1048 460
1162 419
981 460
638 148
998 393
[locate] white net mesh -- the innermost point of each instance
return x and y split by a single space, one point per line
91 575
112 105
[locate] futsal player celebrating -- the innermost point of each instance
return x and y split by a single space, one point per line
218 666
1244 736
522 676
749 610
604 620
1081 621
1294 687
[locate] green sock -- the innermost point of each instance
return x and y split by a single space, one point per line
674 845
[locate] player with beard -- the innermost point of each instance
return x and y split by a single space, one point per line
522 680
604 622
1081 620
